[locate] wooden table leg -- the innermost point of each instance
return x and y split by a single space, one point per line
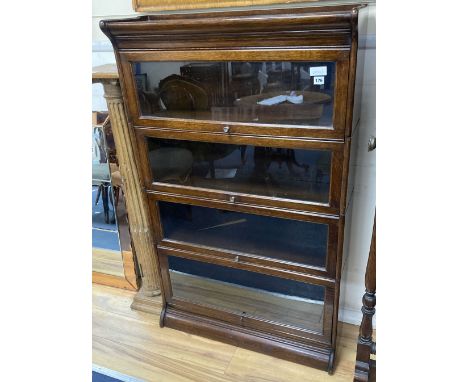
365 366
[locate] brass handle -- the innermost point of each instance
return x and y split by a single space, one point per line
371 145
226 129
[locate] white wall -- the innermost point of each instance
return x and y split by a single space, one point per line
362 215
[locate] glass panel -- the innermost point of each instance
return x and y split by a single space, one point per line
283 173
248 293
107 256
101 170
283 239
290 93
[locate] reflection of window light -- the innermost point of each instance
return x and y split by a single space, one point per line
263 79
304 75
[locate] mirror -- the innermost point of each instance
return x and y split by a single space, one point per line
110 232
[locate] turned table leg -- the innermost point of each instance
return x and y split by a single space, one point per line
365 366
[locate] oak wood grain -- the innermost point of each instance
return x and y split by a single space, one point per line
289 34
108 262
166 5
105 72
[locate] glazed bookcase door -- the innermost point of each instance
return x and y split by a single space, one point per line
287 307
297 93
276 241
289 173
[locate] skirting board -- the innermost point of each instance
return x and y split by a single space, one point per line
352 316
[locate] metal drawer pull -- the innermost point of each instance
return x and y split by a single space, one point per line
226 129
232 199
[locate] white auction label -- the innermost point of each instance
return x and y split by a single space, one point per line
318 71
319 80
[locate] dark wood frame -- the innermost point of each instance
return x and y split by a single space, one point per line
293 34
253 322
301 272
336 168
340 57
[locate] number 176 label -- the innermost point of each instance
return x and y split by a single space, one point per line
320 80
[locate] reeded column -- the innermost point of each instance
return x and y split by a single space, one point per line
137 211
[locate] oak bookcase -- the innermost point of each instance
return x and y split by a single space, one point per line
244 124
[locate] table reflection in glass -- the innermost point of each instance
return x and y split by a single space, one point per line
281 92
276 172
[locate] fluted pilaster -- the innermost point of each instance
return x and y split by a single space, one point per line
137 210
